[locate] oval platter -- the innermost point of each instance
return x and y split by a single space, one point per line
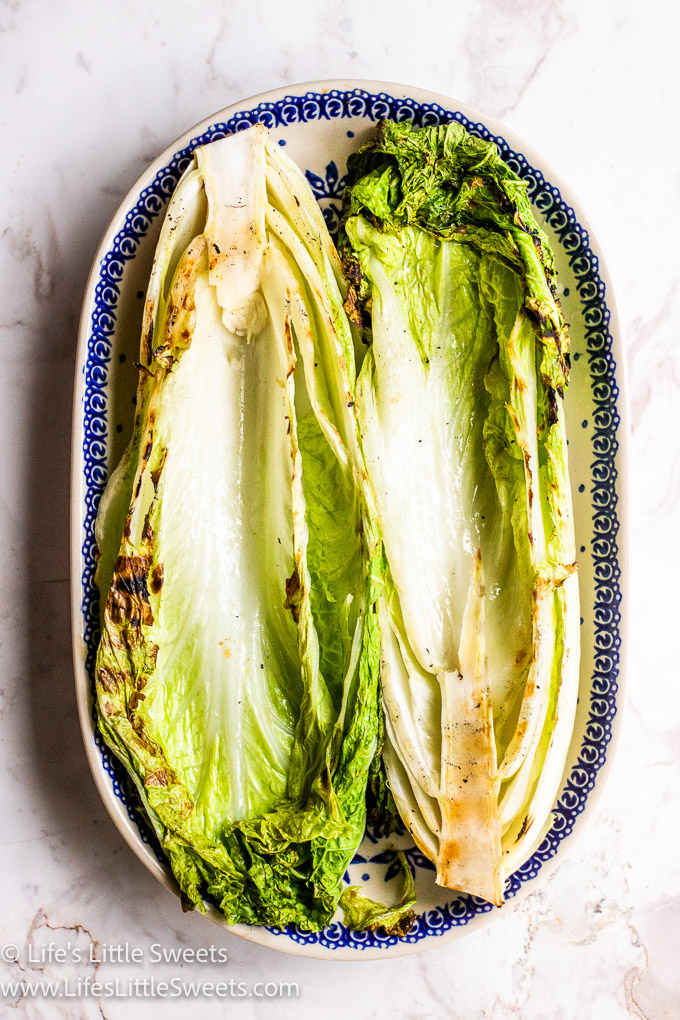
320 123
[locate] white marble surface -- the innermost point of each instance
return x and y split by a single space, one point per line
91 92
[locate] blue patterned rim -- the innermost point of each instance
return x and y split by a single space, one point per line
603 473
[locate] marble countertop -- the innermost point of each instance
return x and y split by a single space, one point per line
91 93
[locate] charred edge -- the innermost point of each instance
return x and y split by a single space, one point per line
156 473
156 579
180 319
356 313
147 450
136 699
137 724
562 358
527 467
565 361
352 269
553 410
148 343
147 533
505 204
162 354
107 680
128 601
525 825
293 595
325 783
289 342
545 585
402 926
291 352
551 330
172 322
136 720
157 777
144 368
543 321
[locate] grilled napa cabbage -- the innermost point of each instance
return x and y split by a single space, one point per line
237 674
460 400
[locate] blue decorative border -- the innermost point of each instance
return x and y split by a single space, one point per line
591 292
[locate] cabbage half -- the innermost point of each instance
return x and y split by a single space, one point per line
460 400
237 675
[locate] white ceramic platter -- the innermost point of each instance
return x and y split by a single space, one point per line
320 123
